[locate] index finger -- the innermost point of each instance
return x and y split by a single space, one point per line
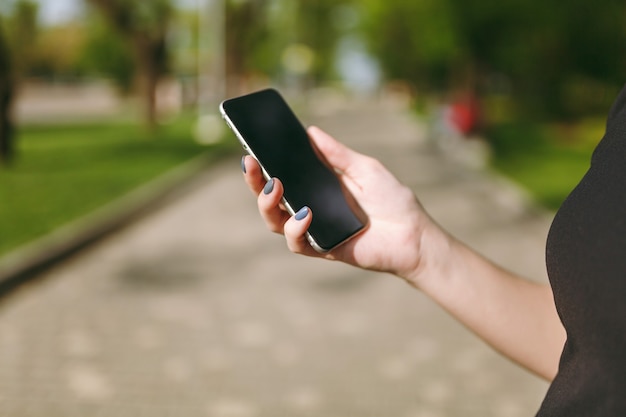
252 174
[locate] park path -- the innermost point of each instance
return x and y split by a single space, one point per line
196 310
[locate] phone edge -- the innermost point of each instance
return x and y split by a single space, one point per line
266 175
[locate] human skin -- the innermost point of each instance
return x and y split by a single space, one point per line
516 316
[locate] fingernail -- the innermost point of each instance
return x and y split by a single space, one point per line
269 186
302 213
243 164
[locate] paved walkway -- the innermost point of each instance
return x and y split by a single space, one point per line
198 311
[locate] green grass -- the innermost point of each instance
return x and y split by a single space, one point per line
64 172
546 160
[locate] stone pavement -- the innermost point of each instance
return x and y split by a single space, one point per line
197 310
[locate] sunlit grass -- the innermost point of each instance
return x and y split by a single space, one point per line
547 160
64 172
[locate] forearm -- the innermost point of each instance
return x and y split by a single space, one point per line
514 315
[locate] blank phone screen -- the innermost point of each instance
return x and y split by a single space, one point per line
282 146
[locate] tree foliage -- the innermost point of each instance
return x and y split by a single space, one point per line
144 24
17 34
319 27
260 33
105 53
557 58
246 29
56 53
416 41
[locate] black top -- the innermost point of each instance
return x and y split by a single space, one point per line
586 260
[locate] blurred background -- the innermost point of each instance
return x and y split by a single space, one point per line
101 97
533 82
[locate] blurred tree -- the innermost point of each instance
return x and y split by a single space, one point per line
144 24
416 41
104 53
22 33
6 98
549 56
586 59
185 40
557 64
319 26
246 30
282 37
17 35
56 53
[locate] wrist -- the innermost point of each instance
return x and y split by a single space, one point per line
436 257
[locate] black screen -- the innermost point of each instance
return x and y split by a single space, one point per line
281 144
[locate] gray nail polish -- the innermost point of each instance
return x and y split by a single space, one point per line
302 213
269 186
243 164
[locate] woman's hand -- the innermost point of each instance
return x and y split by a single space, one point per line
515 316
395 240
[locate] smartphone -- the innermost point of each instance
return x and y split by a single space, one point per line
272 134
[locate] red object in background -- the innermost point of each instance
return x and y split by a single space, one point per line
464 115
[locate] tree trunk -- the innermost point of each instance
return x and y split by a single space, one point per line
242 26
148 41
6 104
149 61
6 122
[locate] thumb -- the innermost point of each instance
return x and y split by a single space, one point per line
338 156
